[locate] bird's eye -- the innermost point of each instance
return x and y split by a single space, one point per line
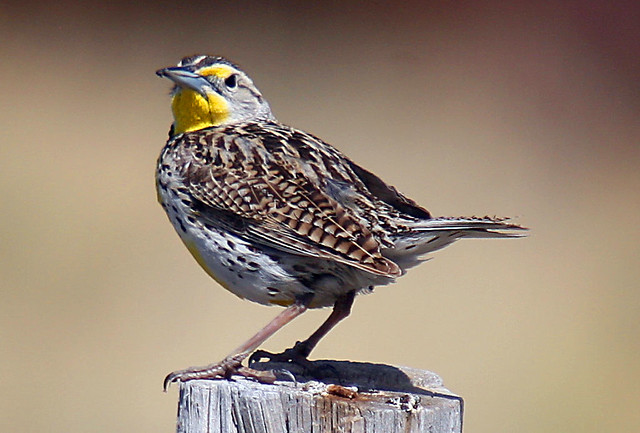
231 81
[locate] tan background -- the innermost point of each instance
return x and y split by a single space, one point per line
468 107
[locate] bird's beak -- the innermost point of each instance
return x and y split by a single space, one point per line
186 79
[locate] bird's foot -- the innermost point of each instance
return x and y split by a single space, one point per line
231 365
299 366
294 355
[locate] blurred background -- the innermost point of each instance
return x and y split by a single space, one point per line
471 108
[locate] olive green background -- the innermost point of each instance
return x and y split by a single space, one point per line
499 108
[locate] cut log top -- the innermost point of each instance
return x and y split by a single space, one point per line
342 397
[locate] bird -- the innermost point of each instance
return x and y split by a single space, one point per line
278 216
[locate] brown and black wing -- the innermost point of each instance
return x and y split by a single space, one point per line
268 197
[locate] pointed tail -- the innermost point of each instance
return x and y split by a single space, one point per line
473 227
430 235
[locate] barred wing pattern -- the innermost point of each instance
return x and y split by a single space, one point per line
267 191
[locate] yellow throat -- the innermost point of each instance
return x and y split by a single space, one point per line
192 111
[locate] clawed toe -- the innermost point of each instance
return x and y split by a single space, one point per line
295 355
293 364
222 370
214 371
259 356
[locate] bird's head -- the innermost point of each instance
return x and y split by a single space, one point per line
212 91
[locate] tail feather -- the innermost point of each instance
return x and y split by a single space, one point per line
431 235
499 226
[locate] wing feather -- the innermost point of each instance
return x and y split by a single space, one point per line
269 198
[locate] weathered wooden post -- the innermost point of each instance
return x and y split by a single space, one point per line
343 397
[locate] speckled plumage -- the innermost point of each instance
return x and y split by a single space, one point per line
275 214
273 191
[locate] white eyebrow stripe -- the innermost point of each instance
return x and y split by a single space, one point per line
194 61
199 59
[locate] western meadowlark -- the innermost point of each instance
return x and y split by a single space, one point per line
278 216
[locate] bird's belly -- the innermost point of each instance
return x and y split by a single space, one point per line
256 273
241 268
